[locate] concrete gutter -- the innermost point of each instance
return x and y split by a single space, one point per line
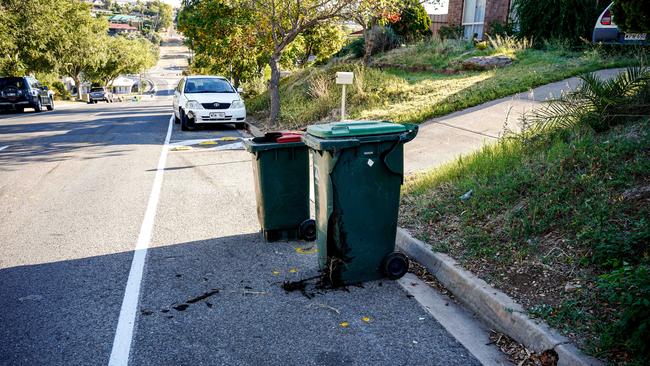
494 307
253 130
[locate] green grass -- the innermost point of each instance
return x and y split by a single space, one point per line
569 207
310 95
430 54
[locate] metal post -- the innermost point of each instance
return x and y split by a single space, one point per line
343 104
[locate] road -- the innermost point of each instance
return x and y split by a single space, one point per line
101 218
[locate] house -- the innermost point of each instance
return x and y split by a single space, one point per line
475 16
122 85
118 28
126 19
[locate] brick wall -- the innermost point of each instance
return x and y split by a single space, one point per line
455 12
495 10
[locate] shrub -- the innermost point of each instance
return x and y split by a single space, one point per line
632 15
629 287
60 91
598 104
385 39
498 28
450 32
508 44
414 23
354 48
547 19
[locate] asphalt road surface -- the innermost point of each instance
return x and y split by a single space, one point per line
124 242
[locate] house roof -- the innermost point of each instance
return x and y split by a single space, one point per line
119 26
122 81
124 18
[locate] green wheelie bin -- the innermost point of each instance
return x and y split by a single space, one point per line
358 171
281 174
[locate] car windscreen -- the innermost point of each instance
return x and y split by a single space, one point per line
95 90
15 82
208 85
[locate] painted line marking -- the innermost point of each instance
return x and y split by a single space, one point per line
233 146
126 321
4 147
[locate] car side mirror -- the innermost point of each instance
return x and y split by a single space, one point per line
240 90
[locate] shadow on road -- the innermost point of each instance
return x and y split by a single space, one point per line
60 140
220 300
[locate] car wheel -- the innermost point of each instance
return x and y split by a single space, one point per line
184 122
50 107
38 107
240 125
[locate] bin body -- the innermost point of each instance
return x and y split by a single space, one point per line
357 183
281 175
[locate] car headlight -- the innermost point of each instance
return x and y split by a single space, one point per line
237 104
193 104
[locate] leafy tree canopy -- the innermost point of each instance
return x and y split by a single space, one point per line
414 22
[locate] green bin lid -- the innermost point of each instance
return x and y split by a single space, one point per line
354 128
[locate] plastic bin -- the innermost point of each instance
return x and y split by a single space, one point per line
281 174
358 171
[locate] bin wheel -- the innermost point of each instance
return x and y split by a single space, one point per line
307 230
395 265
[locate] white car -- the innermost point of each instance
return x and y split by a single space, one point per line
207 99
606 31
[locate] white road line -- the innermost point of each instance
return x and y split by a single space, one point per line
4 147
126 322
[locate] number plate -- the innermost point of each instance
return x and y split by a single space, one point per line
11 94
217 114
635 36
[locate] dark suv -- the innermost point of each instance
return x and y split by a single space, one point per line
18 93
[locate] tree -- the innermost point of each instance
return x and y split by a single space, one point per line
414 22
224 39
160 12
82 50
323 41
557 19
281 22
369 14
632 15
9 65
122 56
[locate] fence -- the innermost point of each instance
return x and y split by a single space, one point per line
437 21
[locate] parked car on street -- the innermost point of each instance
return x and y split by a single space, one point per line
18 93
606 31
207 99
100 94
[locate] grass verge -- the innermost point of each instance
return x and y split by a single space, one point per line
310 95
560 224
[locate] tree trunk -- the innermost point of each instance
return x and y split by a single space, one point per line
77 83
369 41
235 79
274 91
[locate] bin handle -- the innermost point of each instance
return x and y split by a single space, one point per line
403 138
410 133
385 155
337 130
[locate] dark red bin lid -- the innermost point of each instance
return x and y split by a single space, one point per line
289 136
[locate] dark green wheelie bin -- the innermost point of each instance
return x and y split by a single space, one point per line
281 174
358 171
